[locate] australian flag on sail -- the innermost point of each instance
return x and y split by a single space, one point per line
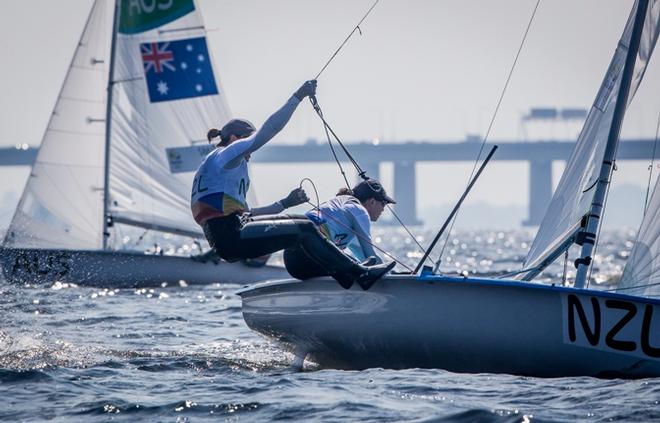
178 69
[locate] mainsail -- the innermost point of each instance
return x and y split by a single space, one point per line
61 205
164 94
572 199
641 276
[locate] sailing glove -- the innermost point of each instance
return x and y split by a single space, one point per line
295 197
308 89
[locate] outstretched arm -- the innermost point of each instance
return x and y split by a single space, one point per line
273 125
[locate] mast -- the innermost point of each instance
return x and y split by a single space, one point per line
108 117
590 234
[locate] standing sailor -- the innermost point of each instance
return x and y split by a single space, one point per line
234 231
345 220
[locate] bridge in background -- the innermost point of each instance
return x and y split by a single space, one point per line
404 156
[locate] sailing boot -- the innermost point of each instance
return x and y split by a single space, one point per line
346 281
373 273
344 269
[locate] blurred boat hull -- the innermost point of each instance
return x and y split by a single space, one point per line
121 269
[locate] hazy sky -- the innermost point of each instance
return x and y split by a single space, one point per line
423 69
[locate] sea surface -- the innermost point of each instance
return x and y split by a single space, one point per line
183 353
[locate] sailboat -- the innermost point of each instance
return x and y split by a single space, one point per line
491 325
141 81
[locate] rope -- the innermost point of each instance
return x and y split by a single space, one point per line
360 171
408 231
492 121
357 28
316 193
327 127
318 110
141 237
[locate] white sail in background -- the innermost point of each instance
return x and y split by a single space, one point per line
166 94
572 198
61 205
641 276
158 43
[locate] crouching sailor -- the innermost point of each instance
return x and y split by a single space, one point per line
346 221
235 231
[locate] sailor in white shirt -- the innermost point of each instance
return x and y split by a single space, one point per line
345 220
237 232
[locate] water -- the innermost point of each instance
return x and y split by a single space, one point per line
177 353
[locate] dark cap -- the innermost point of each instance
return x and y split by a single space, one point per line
241 128
371 188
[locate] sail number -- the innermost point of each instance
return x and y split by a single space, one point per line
40 264
612 324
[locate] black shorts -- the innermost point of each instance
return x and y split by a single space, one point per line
236 238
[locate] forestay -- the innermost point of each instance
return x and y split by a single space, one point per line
166 94
572 198
641 276
61 205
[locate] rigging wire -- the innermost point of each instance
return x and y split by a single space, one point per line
414 238
357 28
326 127
648 186
353 161
328 131
492 121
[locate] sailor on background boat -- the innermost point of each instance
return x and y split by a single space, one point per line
345 220
234 231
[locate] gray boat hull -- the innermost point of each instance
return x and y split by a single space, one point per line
120 269
461 325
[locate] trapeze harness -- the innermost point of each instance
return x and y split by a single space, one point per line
219 205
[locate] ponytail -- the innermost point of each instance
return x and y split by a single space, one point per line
213 133
344 191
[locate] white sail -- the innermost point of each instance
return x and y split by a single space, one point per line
641 276
61 205
166 94
572 199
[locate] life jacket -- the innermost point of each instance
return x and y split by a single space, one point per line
218 191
